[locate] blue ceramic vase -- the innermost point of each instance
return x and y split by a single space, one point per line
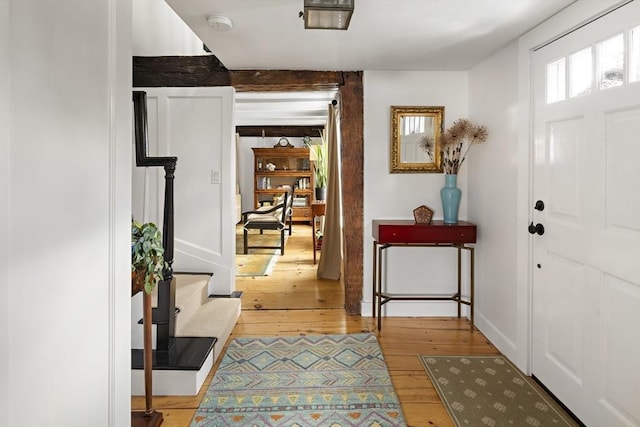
450 195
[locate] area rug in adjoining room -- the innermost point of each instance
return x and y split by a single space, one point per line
258 262
255 265
491 391
319 380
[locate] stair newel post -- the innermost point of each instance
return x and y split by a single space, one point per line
166 290
168 225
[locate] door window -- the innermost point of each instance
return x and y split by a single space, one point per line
634 54
580 72
616 62
611 62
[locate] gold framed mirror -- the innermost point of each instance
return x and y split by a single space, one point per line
415 133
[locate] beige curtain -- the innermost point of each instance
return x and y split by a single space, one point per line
329 265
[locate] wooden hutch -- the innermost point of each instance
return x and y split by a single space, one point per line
276 167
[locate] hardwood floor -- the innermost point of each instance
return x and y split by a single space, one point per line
291 301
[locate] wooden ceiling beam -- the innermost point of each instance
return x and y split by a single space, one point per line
278 131
179 71
192 71
284 80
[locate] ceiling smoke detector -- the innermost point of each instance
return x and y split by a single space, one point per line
219 22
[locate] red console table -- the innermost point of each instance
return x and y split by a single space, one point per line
407 233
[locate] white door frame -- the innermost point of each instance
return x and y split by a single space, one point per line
572 17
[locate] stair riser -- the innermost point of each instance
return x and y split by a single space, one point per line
188 300
172 383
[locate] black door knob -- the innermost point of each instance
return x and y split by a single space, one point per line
536 229
539 205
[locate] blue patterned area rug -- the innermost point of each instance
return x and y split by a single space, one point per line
490 391
324 380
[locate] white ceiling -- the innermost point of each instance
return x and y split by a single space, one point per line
383 35
282 108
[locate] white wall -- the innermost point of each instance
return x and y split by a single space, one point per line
159 31
5 333
5 328
492 195
394 196
65 231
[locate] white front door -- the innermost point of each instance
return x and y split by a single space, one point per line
586 265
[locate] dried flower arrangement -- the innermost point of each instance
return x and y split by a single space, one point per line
455 143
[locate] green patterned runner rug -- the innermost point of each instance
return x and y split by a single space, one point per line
491 391
324 380
258 262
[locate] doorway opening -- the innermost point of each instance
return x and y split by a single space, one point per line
263 120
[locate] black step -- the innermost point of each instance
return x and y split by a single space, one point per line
184 354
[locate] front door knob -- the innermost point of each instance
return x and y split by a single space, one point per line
536 229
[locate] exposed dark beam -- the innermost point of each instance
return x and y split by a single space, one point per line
352 159
284 80
179 71
191 71
277 131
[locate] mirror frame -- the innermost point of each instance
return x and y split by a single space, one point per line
397 114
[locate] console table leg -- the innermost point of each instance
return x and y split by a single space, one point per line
459 281
379 292
471 285
373 294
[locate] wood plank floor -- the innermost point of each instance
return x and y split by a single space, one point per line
291 301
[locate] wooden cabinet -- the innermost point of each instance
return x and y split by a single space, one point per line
290 166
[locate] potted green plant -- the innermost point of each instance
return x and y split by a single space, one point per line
147 256
320 170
